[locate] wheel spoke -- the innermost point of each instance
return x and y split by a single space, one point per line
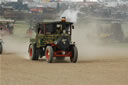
30 52
47 54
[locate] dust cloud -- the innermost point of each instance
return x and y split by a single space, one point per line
89 46
94 48
16 45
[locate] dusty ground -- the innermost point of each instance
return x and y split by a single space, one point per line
96 66
16 70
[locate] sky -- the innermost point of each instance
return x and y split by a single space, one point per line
66 0
82 0
71 0
76 0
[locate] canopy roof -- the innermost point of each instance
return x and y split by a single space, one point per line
5 21
57 22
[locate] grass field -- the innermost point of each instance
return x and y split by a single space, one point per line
20 28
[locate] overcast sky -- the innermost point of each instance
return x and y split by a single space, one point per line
71 0
66 0
82 0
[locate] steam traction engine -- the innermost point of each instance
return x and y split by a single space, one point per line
53 40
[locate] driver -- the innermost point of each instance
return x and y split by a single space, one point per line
59 29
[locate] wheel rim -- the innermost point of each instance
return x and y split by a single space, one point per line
47 54
30 52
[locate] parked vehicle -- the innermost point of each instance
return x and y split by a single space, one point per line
6 27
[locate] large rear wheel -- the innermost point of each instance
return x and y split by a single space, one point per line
1 48
33 54
49 54
74 56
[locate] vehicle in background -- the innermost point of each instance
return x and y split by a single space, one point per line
6 27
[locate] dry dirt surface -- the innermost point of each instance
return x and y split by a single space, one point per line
16 70
109 69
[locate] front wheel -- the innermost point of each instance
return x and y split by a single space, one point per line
49 54
33 54
1 48
74 56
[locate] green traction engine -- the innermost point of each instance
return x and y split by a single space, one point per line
53 40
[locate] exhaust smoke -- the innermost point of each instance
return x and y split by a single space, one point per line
91 48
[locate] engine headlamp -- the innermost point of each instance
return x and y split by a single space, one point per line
55 42
63 19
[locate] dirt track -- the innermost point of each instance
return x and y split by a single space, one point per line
17 70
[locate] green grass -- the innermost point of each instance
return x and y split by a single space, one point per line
20 28
120 45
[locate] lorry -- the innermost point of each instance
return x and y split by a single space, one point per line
53 40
